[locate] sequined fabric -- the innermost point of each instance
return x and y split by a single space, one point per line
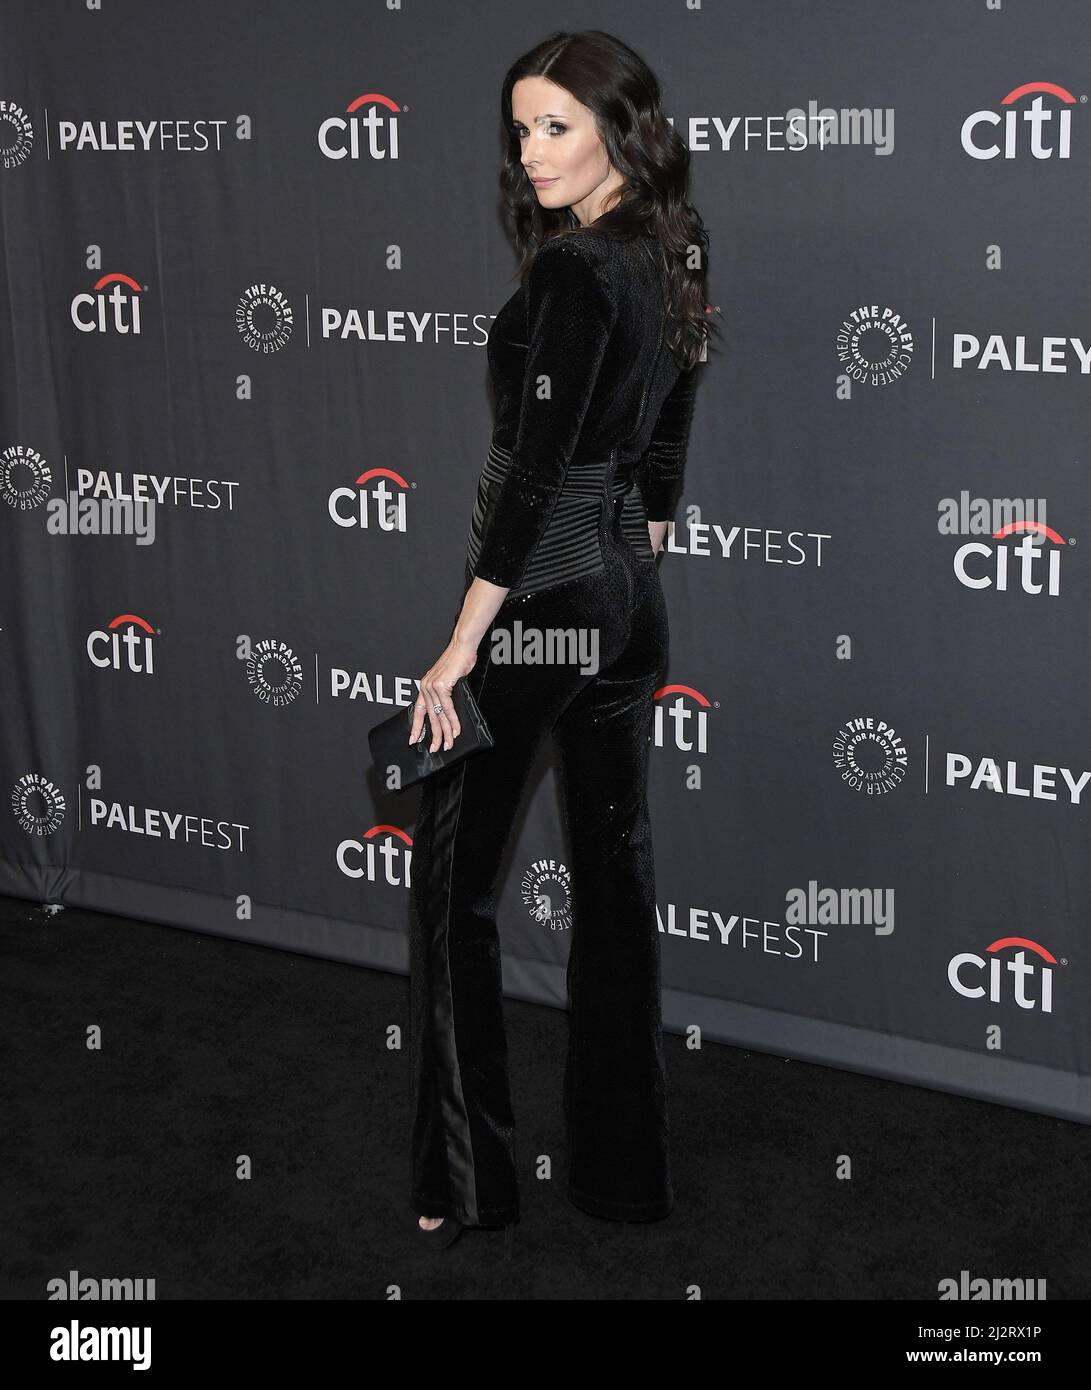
563 523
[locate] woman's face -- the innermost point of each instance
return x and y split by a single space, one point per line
560 146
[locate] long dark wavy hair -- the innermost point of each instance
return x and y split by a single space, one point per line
622 92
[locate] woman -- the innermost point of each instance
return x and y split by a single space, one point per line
593 362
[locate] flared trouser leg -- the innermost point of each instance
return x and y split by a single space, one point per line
614 1087
463 1140
463 1150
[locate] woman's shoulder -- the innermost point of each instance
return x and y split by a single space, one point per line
566 247
585 261
590 245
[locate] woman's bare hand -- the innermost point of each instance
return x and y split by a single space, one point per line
436 684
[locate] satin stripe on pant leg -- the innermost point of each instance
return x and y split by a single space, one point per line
456 1122
463 1134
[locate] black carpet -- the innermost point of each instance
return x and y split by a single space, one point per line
122 1162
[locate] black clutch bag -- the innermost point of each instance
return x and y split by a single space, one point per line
390 746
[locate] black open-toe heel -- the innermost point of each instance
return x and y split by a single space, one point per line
441 1236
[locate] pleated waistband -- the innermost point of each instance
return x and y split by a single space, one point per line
587 478
570 546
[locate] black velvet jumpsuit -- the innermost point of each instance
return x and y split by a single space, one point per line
592 425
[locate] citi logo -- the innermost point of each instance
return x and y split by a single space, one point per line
1045 132
687 715
371 502
1028 982
339 137
126 645
981 566
113 306
383 855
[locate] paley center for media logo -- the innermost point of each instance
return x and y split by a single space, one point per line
195 135
874 345
545 889
26 479
103 503
26 483
265 318
872 757
16 135
37 804
273 670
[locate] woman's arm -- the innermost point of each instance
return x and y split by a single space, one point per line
570 319
662 467
459 657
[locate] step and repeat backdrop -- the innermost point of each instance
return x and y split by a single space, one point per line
251 254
